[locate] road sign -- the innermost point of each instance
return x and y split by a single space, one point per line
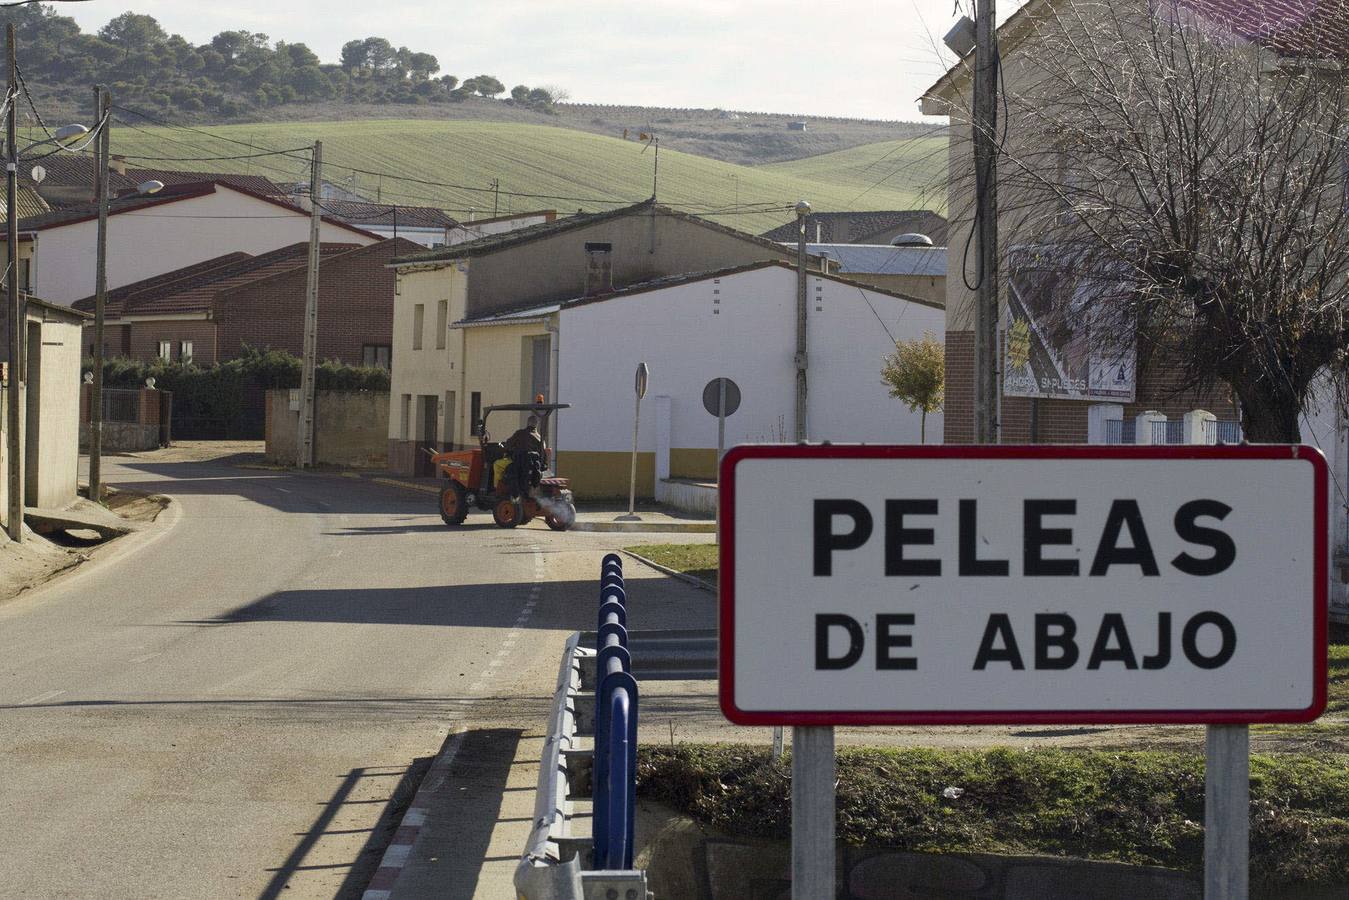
640 381
712 396
962 585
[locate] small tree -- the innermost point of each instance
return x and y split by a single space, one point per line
916 375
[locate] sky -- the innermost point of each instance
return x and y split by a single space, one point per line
837 57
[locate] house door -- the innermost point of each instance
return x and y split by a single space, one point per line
428 421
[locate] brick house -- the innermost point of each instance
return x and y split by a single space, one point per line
208 311
355 311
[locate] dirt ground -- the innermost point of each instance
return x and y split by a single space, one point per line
39 559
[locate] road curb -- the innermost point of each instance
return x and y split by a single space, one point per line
690 579
407 485
648 527
399 852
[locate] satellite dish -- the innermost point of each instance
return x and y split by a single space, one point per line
38 174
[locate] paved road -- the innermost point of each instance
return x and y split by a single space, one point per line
239 707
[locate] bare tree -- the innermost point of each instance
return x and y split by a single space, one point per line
1195 160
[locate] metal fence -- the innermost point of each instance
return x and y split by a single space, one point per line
1220 432
121 405
1172 431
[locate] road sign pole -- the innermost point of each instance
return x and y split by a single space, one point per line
1227 812
721 419
632 481
812 812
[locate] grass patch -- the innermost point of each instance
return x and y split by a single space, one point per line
698 560
1142 807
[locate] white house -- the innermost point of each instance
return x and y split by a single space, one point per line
735 323
176 227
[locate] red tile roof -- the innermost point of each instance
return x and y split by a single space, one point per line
193 289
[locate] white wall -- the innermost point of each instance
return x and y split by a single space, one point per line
686 342
158 239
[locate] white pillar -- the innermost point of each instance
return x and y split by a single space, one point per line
1143 426
1098 414
662 444
1196 426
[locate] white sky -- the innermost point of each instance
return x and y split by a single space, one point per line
828 57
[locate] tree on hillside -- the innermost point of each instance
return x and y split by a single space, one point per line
916 376
520 93
1198 165
485 85
355 57
379 54
133 31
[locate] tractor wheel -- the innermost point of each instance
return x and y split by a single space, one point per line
508 513
453 504
563 522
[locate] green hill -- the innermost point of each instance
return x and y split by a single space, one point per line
575 170
914 165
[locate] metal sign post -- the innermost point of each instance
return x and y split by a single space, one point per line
643 377
813 812
1096 585
1227 806
721 398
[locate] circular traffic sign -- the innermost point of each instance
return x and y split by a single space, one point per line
712 396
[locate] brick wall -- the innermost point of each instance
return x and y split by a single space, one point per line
144 337
355 306
1062 421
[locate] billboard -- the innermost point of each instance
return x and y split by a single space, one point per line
1063 338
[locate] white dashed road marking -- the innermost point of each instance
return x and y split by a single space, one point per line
41 698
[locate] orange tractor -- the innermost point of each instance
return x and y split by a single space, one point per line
516 492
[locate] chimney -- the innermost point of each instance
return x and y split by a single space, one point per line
599 268
117 164
819 230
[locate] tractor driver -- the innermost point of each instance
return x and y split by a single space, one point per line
527 440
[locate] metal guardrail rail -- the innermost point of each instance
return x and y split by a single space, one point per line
557 865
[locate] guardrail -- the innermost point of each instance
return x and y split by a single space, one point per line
557 865
615 726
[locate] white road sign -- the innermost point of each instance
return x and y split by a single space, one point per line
957 585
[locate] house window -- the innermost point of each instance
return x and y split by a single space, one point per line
418 320
166 350
185 351
376 356
474 413
405 417
442 323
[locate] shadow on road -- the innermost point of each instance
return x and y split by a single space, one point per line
472 606
282 491
362 868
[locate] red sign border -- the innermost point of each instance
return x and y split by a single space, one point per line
726 586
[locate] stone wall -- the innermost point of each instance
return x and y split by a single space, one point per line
350 428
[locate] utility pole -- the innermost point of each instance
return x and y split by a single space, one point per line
17 314
496 196
802 212
102 118
986 222
305 454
